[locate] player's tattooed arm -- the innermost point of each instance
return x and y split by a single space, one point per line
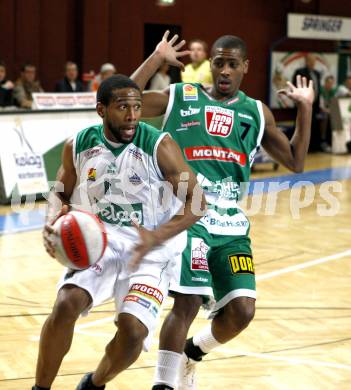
291 153
184 185
155 102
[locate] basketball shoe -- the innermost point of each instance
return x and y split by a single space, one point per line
187 378
87 384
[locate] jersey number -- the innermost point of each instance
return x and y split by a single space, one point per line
246 127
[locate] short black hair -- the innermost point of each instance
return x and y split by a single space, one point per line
27 65
203 43
108 86
230 42
68 63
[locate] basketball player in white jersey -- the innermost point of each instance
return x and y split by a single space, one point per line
116 170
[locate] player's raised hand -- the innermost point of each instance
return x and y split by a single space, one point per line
146 242
302 93
169 50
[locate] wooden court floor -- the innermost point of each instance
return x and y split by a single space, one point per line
300 338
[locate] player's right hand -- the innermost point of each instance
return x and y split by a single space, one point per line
170 51
49 232
302 93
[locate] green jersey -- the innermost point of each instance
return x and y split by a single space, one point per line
219 140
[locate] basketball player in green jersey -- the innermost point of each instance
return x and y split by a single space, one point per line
219 131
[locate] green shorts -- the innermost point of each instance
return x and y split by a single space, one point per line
214 265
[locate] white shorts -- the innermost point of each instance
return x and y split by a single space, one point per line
139 293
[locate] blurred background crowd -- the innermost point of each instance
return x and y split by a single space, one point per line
18 93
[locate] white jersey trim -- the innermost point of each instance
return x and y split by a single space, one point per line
74 151
260 134
197 290
240 292
170 104
154 155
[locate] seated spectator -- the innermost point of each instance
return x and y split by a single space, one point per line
345 89
328 91
311 73
6 87
161 80
106 71
70 83
199 69
25 86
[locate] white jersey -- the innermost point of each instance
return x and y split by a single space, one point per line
121 183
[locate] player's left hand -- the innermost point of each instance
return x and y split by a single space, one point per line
302 93
170 51
147 241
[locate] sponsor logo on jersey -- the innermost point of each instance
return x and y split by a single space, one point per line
135 153
182 129
219 121
241 264
186 125
91 174
215 153
245 116
232 101
190 124
119 214
215 222
135 298
189 93
199 255
227 188
135 179
190 111
97 268
154 310
196 279
146 291
93 152
111 168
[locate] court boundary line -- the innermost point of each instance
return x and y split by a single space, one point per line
238 354
300 266
291 360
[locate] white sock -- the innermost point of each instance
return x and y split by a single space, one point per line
205 340
168 364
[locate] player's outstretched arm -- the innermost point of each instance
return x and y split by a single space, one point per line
155 102
175 171
58 201
291 153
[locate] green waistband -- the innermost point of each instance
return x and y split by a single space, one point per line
224 210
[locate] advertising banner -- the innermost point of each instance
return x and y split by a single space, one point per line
319 27
30 151
64 101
